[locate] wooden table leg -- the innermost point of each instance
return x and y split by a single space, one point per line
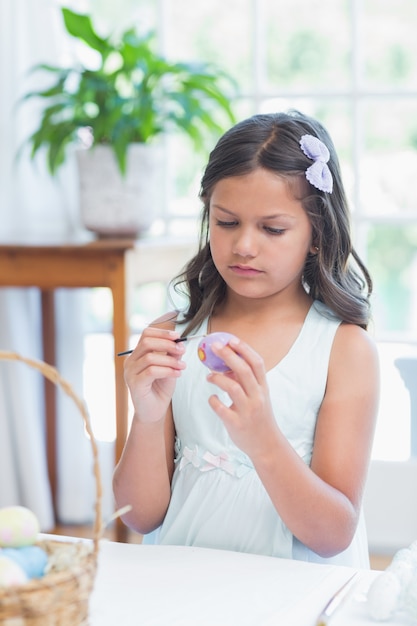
121 338
49 356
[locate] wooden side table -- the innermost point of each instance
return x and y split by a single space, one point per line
100 263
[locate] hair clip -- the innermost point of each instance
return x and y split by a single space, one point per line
317 174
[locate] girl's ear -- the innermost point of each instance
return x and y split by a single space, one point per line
314 249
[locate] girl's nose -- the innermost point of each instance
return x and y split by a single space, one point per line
245 244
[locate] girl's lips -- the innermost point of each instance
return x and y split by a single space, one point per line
245 270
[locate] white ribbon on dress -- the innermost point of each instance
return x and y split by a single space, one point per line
208 461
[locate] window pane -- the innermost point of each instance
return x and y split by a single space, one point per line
114 17
395 428
389 165
392 261
308 45
215 31
390 43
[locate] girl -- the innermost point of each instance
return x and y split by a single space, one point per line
271 457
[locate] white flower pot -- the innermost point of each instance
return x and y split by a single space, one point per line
112 205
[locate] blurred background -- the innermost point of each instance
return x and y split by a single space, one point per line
350 63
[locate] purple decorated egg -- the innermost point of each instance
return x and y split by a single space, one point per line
206 355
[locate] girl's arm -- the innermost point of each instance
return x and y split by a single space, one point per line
143 475
320 504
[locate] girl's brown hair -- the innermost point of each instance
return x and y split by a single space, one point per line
335 275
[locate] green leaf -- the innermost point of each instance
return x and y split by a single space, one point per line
80 26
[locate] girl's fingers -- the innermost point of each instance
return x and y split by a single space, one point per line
155 373
157 340
156 356
241 402
225 413
246 365
154 331
151 361
154 360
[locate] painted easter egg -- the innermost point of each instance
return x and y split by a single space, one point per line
18 527
207 356
11 573
32 559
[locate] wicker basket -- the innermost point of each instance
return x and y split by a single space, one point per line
61 597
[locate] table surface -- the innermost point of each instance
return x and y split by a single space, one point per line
187 586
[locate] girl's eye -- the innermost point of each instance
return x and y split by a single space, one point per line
232 223
226 224
274 231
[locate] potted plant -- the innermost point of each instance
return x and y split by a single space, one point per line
129 100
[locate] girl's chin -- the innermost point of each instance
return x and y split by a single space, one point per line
252 294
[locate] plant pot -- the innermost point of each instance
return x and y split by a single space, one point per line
115 206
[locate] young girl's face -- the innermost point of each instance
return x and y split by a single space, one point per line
260 234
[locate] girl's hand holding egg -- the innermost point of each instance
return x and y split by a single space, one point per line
244 405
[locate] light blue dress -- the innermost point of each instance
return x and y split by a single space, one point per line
218 500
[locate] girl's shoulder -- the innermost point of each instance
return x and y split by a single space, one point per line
355 345
353 349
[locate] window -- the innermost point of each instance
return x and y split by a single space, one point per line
352 64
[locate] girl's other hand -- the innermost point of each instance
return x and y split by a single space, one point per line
249 420
151 371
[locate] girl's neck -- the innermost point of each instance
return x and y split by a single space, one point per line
258 311
271 329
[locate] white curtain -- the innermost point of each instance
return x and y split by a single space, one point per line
33 206
22 452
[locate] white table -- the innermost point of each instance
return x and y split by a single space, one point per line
140 585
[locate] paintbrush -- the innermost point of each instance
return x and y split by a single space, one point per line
336 601
179 340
